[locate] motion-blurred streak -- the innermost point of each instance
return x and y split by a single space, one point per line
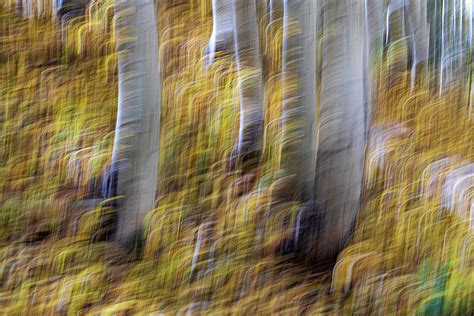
284 157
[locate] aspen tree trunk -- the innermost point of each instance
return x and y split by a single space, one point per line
134 173
235 31
299 89
344 121
249 65
299 122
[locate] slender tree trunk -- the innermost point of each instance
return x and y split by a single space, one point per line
249 65
134 171
235 30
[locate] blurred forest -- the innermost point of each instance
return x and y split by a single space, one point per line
236 157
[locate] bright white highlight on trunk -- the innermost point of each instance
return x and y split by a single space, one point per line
222 25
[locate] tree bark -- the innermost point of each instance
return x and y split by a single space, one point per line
344 122
134 170
309 70
299 84
249 65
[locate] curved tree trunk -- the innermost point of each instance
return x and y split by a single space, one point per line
134 170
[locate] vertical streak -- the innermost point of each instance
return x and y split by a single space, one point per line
469 32
454 31
461 22
308 68
442 50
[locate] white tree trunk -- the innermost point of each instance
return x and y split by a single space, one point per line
222 36
326 151
236 31
247 50
344 122
299 85
137 134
